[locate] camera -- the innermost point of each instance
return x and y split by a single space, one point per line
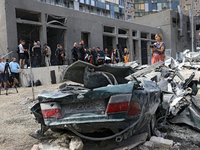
152 46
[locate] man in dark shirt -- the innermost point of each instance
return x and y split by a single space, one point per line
99 52
60 55
100 56
81 51
75 52
94 55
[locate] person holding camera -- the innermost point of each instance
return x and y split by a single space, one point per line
47 53
158 49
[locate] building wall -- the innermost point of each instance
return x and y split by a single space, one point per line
108 8
3 29
146 7
77 22
186 5
129 9
170 24
196 5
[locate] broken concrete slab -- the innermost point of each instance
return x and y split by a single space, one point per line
145 70
76 144
135 141
161 142
149 145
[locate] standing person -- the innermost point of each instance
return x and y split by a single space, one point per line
2 66
94 55
34 59
47 53
6 74
21 53
106 53
75 52
14 66
60 55
158 50
81 51
115 56
126 55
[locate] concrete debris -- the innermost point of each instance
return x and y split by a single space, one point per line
149 145
142 147
135 141
35 147
63 142
24 102
76 144
177 146
145 70
47 147
161 143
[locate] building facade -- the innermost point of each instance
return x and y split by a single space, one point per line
31 20
186 7
140 8
107 8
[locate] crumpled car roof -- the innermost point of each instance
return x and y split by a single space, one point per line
75 72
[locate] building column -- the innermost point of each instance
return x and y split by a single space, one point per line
131 54
43 30
116 40
139 54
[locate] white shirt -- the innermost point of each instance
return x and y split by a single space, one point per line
2 66
20 48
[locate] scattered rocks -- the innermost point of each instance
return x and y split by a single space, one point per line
149 145
48 147
142 147
161 143
76 144
63 142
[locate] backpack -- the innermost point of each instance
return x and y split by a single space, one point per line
38 83
17 50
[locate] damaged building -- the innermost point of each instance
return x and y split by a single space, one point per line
32 20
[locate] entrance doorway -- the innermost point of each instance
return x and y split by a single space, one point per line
144 52
108 43
54 37
122 42
85 38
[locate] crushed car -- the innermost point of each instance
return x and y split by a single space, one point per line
126 99
105 100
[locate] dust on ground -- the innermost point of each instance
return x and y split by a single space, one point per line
16 123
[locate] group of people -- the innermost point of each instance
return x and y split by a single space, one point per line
92 55
35 53
97 56
8 70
